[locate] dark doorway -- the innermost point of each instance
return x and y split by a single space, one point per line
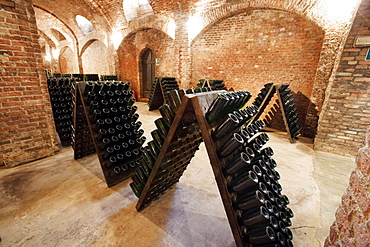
148 68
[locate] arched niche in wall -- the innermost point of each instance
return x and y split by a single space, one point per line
131 48
258 46
95 58
68 62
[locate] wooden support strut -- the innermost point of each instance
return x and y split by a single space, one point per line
274 88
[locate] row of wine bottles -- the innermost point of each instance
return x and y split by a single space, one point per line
226 103
213 84
183 145
252 180
107 89
114 121
75 77
263 94
256 192
60 91
158 92
288 105
82 142
290 111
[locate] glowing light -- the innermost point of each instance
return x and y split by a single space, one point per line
338 11
85 25
171 28
136 8
47 57
116 39
55 53
194 25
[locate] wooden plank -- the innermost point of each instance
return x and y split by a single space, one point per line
280 100
81 134
264 104
179 114
200 106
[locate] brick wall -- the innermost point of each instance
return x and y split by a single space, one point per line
96 53
346 115
26 126
352 224
260 46
131 48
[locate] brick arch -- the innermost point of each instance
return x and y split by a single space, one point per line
68 61
249 48
215 15
87 45
162 45
157 22
92 53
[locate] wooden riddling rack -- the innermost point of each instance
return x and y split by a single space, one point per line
60 91
213 84
158 93
286 105
82 141
191 110
181 143
84 131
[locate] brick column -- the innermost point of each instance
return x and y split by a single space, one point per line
27 129
352 224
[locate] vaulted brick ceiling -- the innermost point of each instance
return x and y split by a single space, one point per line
111 12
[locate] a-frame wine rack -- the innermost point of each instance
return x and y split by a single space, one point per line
265 97
156 98
158 91
84 134
82 141
192 108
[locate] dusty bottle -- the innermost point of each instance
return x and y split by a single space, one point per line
226 127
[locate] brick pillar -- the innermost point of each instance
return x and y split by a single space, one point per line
352 224
27 130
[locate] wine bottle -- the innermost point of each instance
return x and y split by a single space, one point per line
136 191
167 114
226 127
235 143
244 181
88 88
255 217
239 162
262 236
216 107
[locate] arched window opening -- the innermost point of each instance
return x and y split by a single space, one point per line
85 25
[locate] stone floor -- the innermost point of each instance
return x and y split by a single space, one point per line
59 201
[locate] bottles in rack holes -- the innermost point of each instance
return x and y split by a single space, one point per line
233 121
61 97
226 103
252 179
182 148
290 110
263 93
116 125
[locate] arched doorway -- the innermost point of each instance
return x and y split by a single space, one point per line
148 71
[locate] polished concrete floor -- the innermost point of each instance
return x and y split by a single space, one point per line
59 201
